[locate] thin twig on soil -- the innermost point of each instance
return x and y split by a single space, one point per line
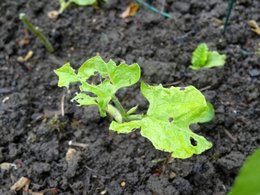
169 84
62 104
230 136
205 88
82 145
95 172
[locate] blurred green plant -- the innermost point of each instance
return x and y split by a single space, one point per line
247 181
64 4
203 58
171 110
35 30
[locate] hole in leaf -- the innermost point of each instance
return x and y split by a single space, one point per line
193 141
170 119
182 88
91 94
95 79
194 127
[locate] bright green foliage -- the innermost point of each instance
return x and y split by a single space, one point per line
66 75
171 110
248 179
203 58
112 78
84 2
65 3
200 55
166 124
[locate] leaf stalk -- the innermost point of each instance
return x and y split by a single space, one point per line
119 106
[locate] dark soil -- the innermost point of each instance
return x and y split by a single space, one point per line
35 136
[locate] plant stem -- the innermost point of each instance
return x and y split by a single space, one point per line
36 32
119 114
133 117
63 5
119 106
113 112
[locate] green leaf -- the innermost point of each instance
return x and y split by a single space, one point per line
170 113
202 58
84 2
125 75
248 179
112 78
66 75
95 64
199 56
215 59
103 92
126 127
84 99
132 110
64 4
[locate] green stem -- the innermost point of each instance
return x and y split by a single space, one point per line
133 117
36 32
113 112
119 114
119 106
63 5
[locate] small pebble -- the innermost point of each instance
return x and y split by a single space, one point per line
254 72
123 184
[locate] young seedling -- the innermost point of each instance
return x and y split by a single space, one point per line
36 32
64 4
203 58
170 113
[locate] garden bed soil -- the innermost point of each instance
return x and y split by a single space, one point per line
34 135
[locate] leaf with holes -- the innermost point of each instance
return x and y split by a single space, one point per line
110 77
170 113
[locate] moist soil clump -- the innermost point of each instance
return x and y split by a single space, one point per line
35 136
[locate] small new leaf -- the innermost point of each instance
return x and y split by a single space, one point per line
66 75
215 59
203 58
84 2
170 113
200 55
132 110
